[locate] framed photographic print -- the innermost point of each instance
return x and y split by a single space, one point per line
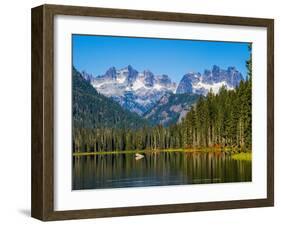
141 112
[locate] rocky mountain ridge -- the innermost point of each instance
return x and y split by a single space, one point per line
140 92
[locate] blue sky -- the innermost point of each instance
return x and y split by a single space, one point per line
95 54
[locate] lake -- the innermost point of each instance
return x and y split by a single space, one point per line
157 169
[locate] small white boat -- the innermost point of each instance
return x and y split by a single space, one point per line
138 156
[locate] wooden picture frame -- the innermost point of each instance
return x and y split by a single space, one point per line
42 204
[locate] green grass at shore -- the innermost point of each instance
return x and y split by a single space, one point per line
247 156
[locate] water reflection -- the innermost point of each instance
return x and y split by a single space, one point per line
155 169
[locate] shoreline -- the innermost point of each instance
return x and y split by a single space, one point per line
238 154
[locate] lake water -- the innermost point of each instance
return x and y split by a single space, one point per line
156 169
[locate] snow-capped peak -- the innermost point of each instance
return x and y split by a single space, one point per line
133 89
214 79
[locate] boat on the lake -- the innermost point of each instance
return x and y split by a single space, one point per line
138 156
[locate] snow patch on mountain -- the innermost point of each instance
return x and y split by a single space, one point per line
204 88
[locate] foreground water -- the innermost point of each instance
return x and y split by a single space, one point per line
156 169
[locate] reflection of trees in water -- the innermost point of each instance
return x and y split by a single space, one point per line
159 168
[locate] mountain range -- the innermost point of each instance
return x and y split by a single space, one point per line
140 92
156 98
